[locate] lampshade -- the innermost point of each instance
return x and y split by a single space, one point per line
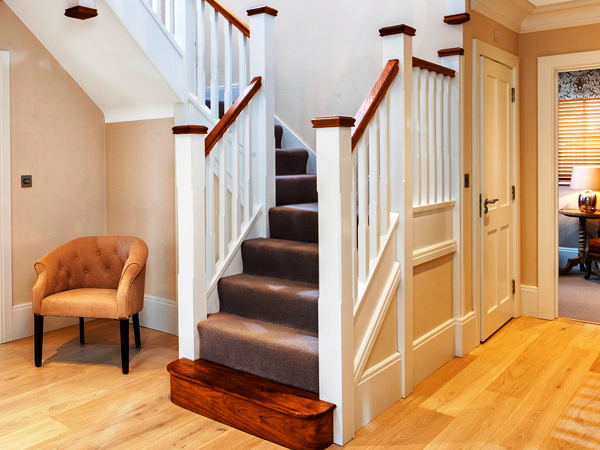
585 178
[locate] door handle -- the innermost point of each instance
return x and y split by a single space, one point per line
488 202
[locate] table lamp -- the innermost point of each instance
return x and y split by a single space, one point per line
588 179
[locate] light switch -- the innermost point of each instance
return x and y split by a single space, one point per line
26 181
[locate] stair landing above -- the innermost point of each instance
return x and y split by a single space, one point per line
282 414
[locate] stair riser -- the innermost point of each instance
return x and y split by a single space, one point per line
292 190
291 162
287 264
294 225
292 432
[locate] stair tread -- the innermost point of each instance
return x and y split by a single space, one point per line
312 207
269 394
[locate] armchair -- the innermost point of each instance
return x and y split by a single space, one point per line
96 276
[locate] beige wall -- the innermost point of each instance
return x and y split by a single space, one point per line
482 28
57 135
531 46
140 195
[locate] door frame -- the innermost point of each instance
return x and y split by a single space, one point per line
482 49
6 303
546 304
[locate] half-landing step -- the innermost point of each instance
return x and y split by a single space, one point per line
282 414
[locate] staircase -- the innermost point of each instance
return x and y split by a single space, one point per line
265 334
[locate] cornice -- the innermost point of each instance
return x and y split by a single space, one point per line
522 16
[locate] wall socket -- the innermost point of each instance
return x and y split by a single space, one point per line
496 36
26 181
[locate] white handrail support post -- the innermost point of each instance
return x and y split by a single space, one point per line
399 46
336 305
262 64
191 241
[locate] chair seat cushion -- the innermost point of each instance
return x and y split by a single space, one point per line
594 245
88 302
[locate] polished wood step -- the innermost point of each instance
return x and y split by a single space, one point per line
282 414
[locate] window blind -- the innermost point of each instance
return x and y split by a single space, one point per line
578 136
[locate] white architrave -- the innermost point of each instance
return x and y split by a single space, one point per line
399 46
336 322
547 220
262 64
192 303
480 50
6 302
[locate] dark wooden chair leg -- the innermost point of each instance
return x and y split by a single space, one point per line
588 269
136 330
125 345
81 331
38 339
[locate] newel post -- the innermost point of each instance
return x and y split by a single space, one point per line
262 64
336 312
397 44
190 177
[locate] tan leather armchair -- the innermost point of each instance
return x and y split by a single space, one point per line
96 276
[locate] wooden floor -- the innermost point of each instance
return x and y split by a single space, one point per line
533 385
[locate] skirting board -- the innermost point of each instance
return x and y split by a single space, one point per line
465 334
379 388
158 314
529 301
433 350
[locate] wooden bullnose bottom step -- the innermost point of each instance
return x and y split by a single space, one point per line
282 414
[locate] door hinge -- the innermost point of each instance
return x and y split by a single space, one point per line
514 95
479 205
514 195
513 287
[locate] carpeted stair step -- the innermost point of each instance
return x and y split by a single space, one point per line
278 135
275 352
280 258
293 189
295 222
285 415
284 302
291 161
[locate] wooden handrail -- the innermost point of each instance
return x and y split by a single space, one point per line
433 67
232 18
232 113
374 99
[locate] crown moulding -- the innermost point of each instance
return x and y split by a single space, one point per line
81 12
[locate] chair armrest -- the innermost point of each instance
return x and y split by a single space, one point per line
39 288
130 293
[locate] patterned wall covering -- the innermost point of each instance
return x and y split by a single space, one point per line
579 84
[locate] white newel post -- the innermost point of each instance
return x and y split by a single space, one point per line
397 44
262 64
191 236
336 323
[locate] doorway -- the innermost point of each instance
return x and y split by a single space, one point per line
495 188
5 203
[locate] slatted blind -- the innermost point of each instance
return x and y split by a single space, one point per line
578 136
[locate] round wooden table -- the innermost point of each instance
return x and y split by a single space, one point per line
580 258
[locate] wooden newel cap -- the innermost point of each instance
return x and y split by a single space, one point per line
81 12
451 52
457 19
190 129
397 29
262 10
333 122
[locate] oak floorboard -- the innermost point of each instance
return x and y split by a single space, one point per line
32 434
526 369
588 337
456 395
596 365
577 427
532 420
474 426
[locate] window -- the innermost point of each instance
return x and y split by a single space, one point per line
578 136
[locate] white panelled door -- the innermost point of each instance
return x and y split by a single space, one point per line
496 197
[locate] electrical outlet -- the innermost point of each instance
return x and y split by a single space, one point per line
26 181
496 36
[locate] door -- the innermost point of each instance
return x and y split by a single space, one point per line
496 201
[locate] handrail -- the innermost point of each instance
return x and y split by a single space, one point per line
433 67
232 18
374 99
232 113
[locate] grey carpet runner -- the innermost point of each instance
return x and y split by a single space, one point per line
268 319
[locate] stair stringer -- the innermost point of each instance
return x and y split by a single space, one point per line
378 385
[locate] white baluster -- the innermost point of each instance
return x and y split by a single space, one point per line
155 6
363 208
431 129
214 63
228 96
374 213
440 131
416 136
354 229
243 61
384 165
248 206
223 210
169 19
448 135
210 218
200 52
424 137
235 181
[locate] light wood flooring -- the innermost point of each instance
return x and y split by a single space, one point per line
533 385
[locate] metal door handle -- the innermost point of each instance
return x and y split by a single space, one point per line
488 202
